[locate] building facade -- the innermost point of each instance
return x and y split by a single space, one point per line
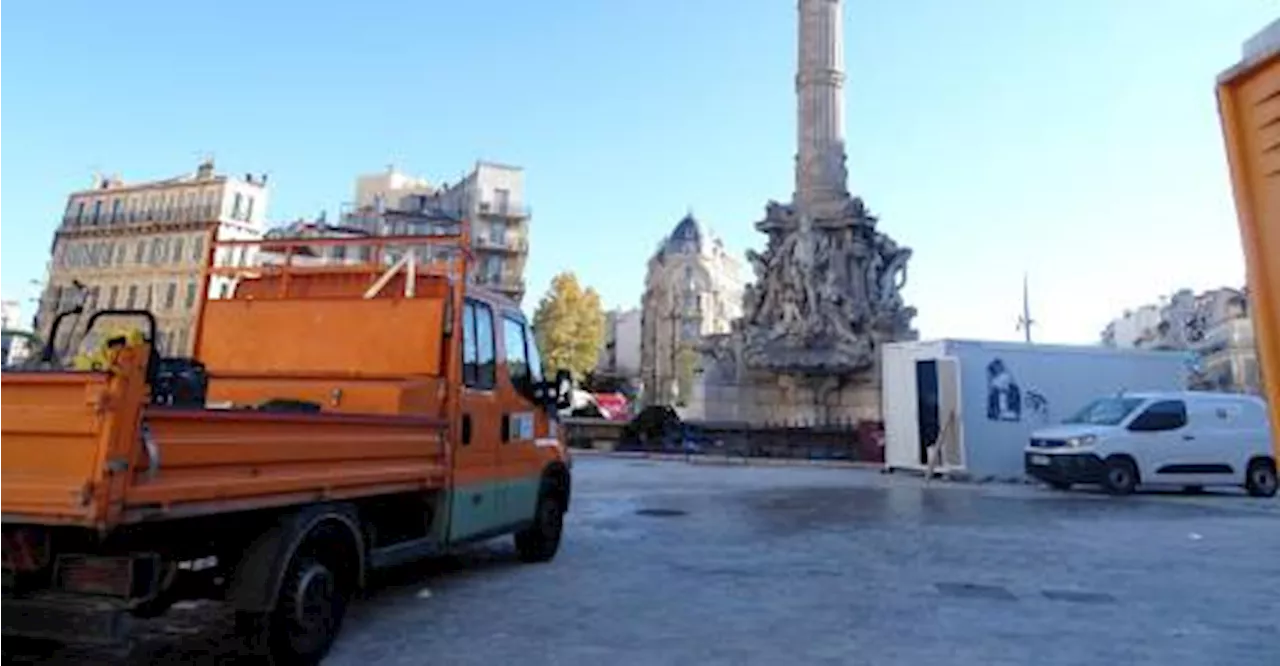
1215 325
693 288
144 246
620 350
490 197
15 338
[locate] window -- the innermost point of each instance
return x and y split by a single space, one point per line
132 299
235 206
146 303
470 368
197 249
1161 416
139 251
191 294
175 252
120 251
97 212
112 295
479 369
181 347
688 329
116 204
516 357
248 211
170 295
79 212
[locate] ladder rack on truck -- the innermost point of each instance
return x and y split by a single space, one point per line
340 427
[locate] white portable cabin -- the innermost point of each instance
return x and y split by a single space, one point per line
980 401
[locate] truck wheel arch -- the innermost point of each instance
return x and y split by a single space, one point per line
259 574
557 481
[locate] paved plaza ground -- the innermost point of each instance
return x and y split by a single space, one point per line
671 563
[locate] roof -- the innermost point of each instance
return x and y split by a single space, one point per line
687 235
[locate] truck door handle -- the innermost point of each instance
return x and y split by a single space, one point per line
506 428
466 429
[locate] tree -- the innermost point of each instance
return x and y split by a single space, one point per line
570 326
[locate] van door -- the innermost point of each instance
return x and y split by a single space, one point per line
519 458
1164 444
1221 444
473 510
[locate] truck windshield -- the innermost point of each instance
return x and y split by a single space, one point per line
1105 411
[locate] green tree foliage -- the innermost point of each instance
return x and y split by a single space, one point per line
570 326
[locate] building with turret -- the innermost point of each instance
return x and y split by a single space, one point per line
693 288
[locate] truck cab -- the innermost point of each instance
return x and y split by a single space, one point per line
336 418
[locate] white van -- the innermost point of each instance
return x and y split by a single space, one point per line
1188 438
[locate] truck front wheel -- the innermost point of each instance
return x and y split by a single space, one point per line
308 613
541 540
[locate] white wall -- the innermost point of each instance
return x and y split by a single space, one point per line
899 400
627 341
1065 378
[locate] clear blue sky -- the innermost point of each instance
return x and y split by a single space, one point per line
1076 139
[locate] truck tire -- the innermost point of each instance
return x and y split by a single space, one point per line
1260 479
541 540
318 584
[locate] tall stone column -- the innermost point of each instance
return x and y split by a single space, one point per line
820 170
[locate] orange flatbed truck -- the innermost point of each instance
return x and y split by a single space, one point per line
348 416
1249 106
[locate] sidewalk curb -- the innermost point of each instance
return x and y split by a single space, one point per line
723 461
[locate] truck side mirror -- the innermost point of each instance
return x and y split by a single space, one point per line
564 389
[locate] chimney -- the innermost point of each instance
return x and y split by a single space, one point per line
205 170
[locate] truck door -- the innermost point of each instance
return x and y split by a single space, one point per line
519 457
474 506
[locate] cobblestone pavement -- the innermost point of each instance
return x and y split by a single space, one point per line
669 563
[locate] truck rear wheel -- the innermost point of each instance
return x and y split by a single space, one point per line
541 541
317 586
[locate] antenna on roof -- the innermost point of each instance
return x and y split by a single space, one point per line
1025 322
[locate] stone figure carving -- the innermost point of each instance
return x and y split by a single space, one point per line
827 292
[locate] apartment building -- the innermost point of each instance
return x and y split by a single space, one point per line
1214 325
145 244
490 197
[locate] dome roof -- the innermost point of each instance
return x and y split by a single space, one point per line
687 237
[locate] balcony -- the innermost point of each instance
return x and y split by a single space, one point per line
504 283
507 245
508 211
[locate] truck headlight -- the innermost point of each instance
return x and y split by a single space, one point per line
1083 440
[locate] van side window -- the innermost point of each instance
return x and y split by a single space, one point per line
486 352
1161 416
516 357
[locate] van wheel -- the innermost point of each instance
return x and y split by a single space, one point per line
302 627
1260 480
1121 476
541 541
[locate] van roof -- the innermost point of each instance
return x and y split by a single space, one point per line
1193 395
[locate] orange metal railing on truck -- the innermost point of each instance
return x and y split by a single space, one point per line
367 341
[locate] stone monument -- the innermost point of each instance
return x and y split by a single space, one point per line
827 291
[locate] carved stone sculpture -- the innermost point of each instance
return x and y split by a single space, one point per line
827 294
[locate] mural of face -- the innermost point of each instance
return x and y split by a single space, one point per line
1004 398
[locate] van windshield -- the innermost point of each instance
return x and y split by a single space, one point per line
1105 411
